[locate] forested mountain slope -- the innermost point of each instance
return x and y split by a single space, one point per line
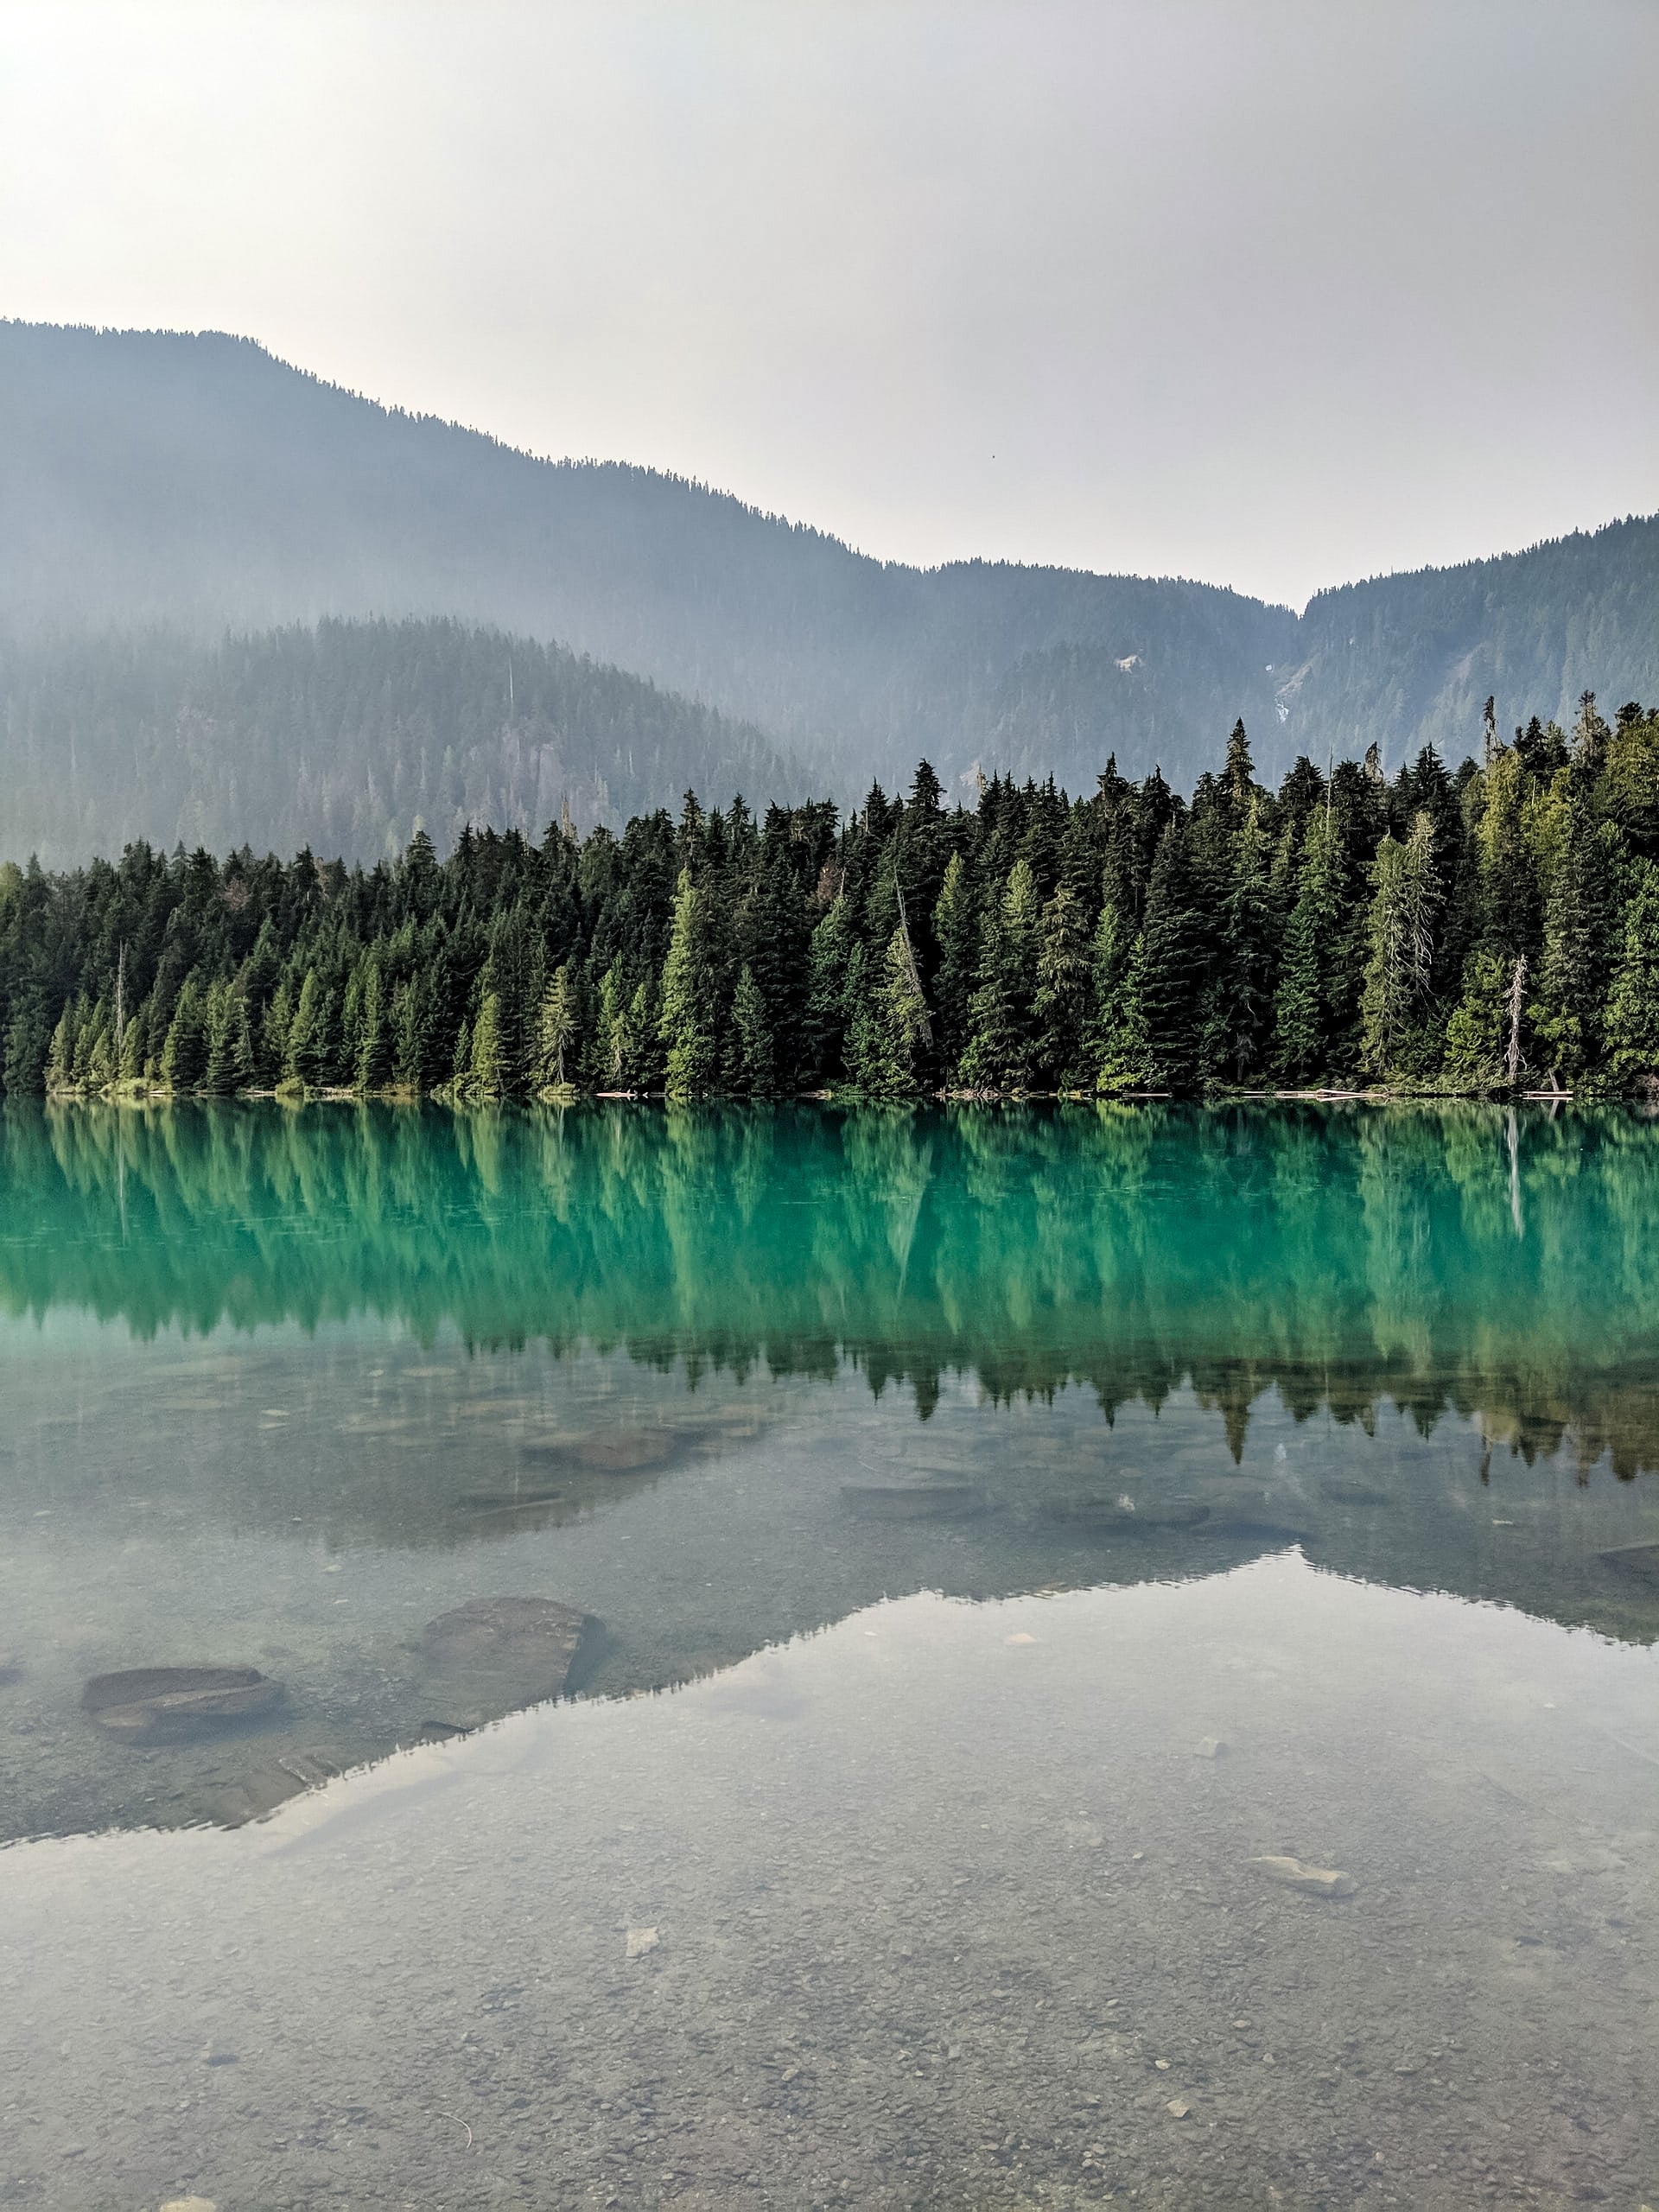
1409 660
345 737
197 481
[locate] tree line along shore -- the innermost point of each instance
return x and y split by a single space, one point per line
1489 929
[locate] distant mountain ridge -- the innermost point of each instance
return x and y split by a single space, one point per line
199 482
345 737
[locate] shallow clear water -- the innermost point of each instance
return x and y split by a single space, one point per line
998 1531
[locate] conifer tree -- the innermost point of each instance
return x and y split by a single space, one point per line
229 1061
612 1042
774 934
488 1071
90 1031
685 1021
135 1044
1245 1008
645 1065
407 1026
60 1059
1580 923
956 932
1238 773
1399 930
1305 1007
827 996
1632 1024
1109 953
1174 967
892 1054
184 1054
557 1031
861 1055
1062 1004
1120 1046
274 1029
372 1071
303 1056
753 1074
1001 1045
1473 1059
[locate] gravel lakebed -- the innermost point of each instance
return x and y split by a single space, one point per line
950 1904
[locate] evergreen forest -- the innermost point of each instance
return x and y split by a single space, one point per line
1493 928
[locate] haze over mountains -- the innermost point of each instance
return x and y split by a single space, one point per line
185 485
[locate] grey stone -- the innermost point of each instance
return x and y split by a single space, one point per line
1312 1881
150 1704
502 1652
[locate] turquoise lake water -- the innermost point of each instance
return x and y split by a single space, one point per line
993 1534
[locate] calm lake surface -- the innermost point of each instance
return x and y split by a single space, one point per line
987 1534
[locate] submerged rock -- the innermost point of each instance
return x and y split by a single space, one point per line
506 1651
150 1704
928 1501
511 1501
257 1793
1312 1881
639 1941
609 1451
1639 1560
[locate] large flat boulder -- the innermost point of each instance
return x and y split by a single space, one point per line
144 1705
494 1655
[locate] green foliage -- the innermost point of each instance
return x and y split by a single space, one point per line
1476 1031
687 1021
1124 1059
557 1031
1001 1045
1400 933
1308 1006
1633 1001
1581 919
486 1073
184 1055
832 951
1065 982
956 932
753 1072
1174 964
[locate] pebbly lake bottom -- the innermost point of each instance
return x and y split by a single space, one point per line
950 1904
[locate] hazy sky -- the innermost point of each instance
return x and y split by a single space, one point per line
1269 293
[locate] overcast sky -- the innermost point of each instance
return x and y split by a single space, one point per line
1268 293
